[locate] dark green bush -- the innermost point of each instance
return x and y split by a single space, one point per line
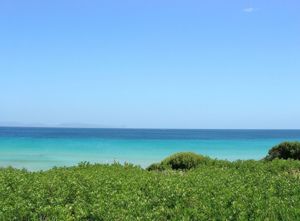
285 150
157 167
184 161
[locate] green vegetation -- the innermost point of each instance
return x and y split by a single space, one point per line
216 190
180 161
285 150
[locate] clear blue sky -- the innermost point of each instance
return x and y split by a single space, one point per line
151 64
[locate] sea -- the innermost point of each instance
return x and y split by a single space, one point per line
43 148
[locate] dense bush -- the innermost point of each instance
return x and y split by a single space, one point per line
242 190
183 161
286 150
157 167
180 161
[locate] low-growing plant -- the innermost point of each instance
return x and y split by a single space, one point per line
157 167
216 190
180 161
285 150
184 161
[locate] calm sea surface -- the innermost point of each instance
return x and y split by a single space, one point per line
43 148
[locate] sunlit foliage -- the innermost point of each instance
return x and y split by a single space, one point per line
219 190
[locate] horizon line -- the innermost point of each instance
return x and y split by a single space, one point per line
143 128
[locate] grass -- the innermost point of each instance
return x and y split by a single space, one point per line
218 190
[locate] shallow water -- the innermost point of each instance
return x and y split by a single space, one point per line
43 148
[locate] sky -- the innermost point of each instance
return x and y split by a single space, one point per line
150 64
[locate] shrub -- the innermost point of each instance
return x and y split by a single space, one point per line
183 161
285 150
157 167
218 190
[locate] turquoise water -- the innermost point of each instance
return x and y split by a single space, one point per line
36 149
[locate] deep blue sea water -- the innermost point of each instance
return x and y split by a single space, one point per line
43 148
